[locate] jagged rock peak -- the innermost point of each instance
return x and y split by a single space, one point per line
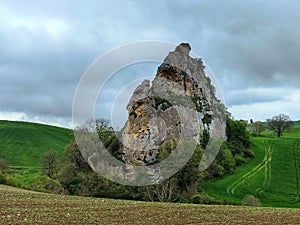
181 98
183 48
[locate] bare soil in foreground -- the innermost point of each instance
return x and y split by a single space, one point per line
19 206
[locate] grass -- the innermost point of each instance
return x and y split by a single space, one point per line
273 175
26 207
22 143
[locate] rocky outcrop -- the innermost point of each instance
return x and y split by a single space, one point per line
180 93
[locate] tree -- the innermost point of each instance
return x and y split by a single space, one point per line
103 129
3 164
256 128
280 123
2 153
164 191
238 138
49 163
74 156
109 138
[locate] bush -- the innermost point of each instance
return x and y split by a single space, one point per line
46 184
183 200
2 179
239 160
201 199
8 180
221 170
3 164
250 200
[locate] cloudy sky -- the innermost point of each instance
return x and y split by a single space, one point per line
252 47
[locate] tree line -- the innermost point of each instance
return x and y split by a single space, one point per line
73 175
278 124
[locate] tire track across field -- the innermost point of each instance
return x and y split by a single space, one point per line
265 164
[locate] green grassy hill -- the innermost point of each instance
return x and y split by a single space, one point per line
273 175
22 143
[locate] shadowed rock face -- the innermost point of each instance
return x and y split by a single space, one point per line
180 93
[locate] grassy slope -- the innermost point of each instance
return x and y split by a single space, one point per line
22 143
27 207
273 175
273 180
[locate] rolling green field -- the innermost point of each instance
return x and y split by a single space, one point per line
273 176
22 143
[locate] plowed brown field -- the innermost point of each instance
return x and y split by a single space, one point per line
18 206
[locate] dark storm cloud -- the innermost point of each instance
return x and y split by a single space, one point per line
253 42
45 46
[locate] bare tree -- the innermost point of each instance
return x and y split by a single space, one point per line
49 163
280 123
256 128
163 192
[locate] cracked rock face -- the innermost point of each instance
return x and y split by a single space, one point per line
181 95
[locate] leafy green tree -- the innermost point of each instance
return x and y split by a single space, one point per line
103 129
279 124
74 156
49 163
109 137
66 177
233 152
238 138
72 165
228 161
189 175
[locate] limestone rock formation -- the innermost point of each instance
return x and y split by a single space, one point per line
180 93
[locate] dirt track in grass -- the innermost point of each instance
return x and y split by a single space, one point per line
265 164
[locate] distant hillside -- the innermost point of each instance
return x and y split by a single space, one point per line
22 143
273 175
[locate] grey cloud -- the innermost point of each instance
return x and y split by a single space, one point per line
256 95
251 41
256 42
45 46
